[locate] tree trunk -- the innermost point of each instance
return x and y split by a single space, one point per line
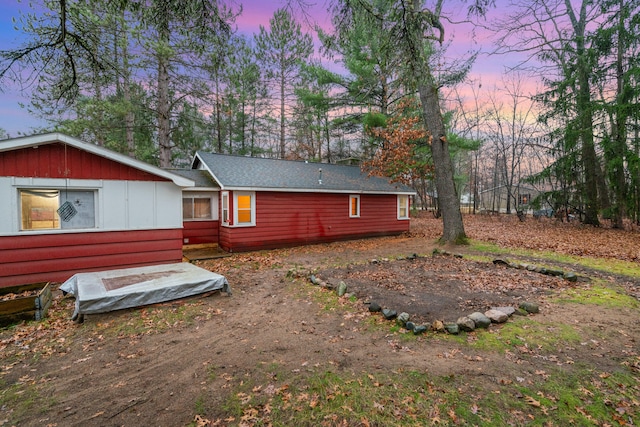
585 116
218 115
619 131
129 118
589 156
448 200
164 127
282 111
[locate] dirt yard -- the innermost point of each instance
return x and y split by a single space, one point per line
165 364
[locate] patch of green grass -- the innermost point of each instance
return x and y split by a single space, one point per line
328 398
598 294
525 333
154 319
212 374
481 246
580 397
413 398
607 265
200 405
21 400
327 298
557 395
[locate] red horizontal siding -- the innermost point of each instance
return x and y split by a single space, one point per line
290 219
199 232
56 257
59 160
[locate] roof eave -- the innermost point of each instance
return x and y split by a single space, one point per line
315 190
50 138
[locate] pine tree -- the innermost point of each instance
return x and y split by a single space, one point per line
281 50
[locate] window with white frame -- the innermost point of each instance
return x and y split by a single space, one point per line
225 207
354 206
403 206
198 206
53 209
244 208
239 209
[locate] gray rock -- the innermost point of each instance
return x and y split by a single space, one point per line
496 316
409 326
506 310
420 329
342 288
452 328
556 273
374 307
530 307
402 319
570 276
389 314
466 324
313 279
480 320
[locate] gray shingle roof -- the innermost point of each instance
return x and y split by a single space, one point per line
236 172
202 178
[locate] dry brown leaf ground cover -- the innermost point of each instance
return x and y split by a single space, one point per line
281 351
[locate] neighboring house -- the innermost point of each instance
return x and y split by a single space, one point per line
68 207
258 203
495 199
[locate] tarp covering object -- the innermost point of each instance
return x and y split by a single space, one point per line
104 291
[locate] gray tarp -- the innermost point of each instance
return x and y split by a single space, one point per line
104 291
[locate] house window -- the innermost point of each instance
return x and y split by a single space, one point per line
524 199
403 207
244 208
354 206
225 207
197 206
239 209
42 209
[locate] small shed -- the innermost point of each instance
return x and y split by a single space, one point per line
69 206
262 203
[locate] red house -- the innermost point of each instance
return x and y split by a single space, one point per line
69 207
249 203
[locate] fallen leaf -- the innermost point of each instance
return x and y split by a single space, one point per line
201 422
531 401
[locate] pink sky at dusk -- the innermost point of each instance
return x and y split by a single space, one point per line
16 120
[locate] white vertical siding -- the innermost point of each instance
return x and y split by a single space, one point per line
168 209
120 205
112 205
8 207
141 203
